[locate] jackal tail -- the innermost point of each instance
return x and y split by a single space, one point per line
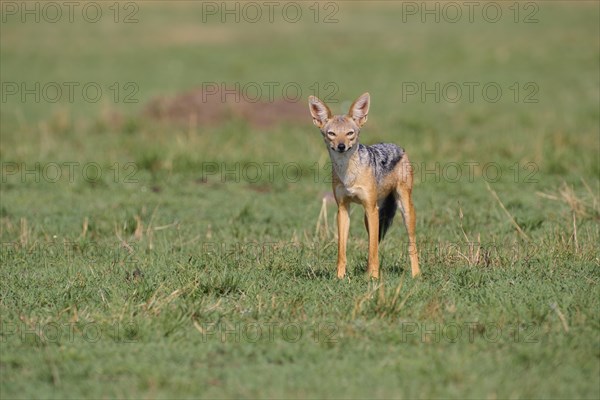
387 211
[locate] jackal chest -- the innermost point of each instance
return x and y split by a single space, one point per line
354 185
352 178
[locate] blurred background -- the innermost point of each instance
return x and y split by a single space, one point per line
434 71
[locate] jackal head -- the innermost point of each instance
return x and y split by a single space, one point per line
340 132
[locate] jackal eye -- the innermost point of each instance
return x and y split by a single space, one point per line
331 134
350 133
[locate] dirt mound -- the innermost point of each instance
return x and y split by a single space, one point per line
203 109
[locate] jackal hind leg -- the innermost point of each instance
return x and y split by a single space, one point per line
407 208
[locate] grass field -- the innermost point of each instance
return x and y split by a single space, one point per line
157 258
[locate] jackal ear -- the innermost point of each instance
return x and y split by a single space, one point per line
359 110
319 111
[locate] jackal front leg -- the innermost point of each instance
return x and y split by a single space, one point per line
343 221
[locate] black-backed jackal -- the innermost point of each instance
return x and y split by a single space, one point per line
379 177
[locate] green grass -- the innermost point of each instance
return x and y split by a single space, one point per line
162 278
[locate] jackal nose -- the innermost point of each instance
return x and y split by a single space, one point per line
341 147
